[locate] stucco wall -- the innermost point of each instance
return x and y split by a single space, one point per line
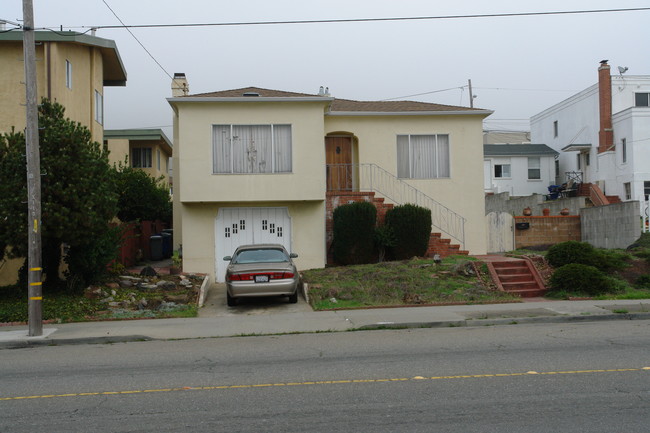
462 192
518 183
194 151
308 233
87 75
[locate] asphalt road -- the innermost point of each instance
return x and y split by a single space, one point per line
588 377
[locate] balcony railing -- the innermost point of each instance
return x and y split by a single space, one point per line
370 177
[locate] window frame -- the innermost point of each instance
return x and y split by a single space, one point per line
538 168
627 188
500 175
441 149
624 150
642 99
556 129
275 148
144 159
68 74
99 107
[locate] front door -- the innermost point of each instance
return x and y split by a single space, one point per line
338 157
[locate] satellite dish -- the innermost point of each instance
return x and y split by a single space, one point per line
622 69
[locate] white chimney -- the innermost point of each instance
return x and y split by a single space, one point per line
179 85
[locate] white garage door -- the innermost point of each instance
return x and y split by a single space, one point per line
249 225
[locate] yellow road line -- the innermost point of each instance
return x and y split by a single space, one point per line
326 382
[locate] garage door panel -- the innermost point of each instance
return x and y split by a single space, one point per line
240 226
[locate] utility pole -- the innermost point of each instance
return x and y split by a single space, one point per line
471 96
35 289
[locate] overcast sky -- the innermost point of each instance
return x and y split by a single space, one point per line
518 65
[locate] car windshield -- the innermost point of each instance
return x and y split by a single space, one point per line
260 256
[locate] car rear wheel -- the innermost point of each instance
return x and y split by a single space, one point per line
232 302
293 298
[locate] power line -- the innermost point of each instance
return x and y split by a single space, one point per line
424 93
136 39
357 20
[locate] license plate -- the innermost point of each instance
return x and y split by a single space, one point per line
261 278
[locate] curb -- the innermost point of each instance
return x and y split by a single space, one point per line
507 321
24 343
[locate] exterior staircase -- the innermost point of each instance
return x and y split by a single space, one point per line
437 244
516 276
596 195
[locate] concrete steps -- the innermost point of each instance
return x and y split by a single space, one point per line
517 277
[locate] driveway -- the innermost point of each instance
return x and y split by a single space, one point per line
215 304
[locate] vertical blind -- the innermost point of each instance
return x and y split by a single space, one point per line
423 156
251 149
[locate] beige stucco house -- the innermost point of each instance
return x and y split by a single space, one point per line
148 149
254 165
72 69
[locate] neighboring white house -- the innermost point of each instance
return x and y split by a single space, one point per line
603 134
519 169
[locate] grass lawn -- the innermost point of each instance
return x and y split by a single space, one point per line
415 281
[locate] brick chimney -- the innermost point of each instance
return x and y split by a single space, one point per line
179 85
606 134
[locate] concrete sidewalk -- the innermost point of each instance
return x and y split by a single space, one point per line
279 322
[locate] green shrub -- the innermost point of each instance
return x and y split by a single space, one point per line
582 279
354 233
643 281
411 226
568 252
583 253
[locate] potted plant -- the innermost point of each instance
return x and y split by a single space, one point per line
177 264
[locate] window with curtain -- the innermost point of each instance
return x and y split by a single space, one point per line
251 148
141 157
423 156
534 168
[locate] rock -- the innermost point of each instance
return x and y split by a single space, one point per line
185 283
166 285
147 287
113 293
167 306
333 300
113 285
93 293
109 299
142 304
178 299
130 277
126 283
114 304
148 271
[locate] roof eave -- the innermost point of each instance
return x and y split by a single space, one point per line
250 99
412 113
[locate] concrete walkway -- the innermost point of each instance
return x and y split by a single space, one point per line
273 318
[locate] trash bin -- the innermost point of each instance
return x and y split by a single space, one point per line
156 247
171 232
166 245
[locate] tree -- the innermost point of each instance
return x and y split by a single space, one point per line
78 191
141 197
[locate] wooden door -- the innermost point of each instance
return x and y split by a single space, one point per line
338 157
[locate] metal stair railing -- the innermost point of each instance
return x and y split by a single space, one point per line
371 177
